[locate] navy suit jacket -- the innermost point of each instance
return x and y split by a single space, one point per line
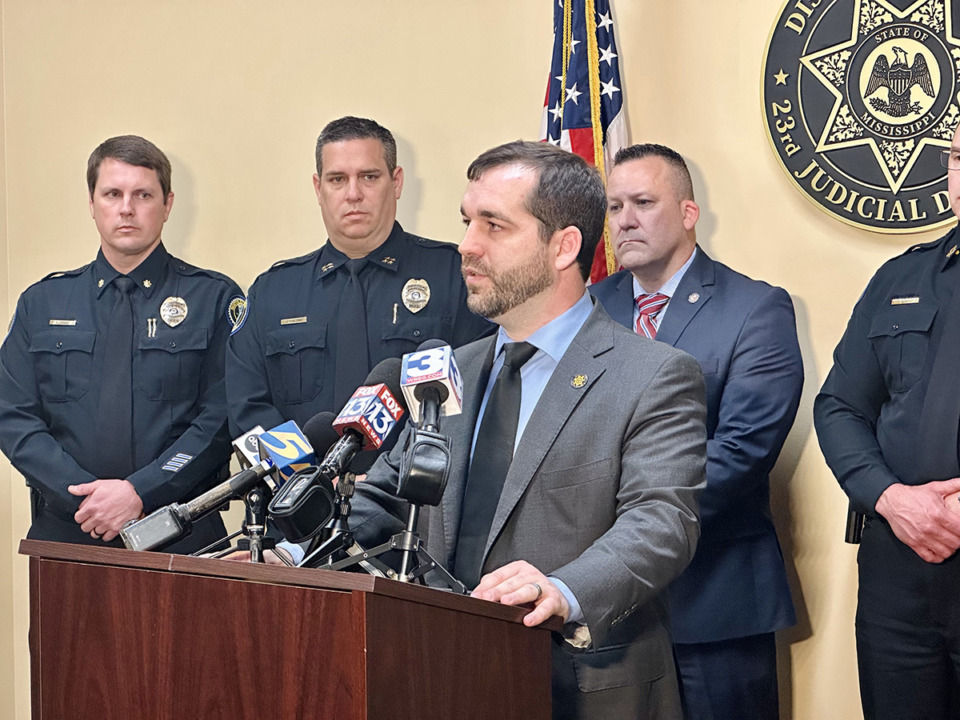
743 333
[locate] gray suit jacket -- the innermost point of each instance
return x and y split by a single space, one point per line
601 494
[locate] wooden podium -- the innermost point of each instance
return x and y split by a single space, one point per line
117 634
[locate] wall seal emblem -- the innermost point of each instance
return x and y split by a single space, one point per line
859 99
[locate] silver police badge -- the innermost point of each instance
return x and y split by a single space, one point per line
415 295
173 311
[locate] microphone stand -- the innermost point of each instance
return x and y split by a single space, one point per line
428 460
336 539
253 529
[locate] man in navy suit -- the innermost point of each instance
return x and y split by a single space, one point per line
728 603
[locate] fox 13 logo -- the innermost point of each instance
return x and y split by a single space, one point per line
860 99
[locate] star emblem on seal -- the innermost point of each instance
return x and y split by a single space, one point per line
860 97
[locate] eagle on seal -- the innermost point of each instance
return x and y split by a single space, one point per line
899 79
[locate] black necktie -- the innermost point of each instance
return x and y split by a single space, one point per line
492 456
353 362
114 449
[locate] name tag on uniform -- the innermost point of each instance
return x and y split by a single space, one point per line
63 323
294 321
905 301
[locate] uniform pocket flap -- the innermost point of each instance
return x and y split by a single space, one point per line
900 319
416 329
291 340
63 340
180 341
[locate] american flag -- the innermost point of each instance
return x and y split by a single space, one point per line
583 110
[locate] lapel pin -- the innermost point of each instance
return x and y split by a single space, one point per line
693 297
578 381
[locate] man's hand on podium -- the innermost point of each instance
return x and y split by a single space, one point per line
520 582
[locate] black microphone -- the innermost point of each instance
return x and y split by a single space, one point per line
172 522
356 430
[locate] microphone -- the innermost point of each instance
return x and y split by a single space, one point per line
287 448
173 522
431 384
320 433
372 412
305 505
246 449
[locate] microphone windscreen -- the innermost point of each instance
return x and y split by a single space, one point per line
387 372
321 433
431 344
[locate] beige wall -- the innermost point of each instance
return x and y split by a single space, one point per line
236 92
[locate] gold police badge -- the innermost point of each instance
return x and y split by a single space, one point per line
415 294
173 310
860 99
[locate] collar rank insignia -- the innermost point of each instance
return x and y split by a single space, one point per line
147 284
415 295
173 311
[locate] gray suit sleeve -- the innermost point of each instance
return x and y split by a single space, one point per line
663 458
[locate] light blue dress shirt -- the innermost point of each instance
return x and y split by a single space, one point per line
551 341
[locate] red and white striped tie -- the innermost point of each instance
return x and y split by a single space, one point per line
649 307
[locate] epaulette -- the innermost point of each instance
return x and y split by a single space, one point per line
66 273
923 246
427 242
294 261
186 268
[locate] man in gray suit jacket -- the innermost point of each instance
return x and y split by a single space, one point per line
595 511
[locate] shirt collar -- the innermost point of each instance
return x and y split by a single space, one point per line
671 285
555 337
148 275
387 255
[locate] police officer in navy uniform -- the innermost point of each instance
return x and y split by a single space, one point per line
887 419
112 396
315 326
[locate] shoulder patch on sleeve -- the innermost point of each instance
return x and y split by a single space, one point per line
237 313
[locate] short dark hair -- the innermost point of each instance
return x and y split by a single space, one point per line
133 150
568 191
355 128
683 184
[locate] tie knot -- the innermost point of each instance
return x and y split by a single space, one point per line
355 265
124 284
651 304
517 353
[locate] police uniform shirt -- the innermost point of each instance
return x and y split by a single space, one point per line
51 371
869 410
281 356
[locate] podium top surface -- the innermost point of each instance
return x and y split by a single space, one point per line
274 575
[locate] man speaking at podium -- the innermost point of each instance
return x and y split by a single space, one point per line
112 398
589 509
